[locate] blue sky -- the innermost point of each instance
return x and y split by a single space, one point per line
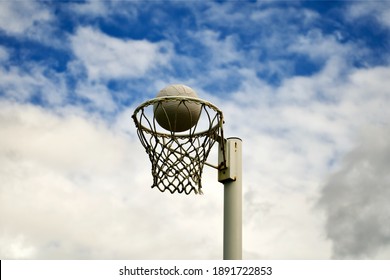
303 83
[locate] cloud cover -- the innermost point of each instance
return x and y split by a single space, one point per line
105 57
297 88
355 198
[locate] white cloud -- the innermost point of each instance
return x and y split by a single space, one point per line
319 47
98 94
355 199
59 172
378 10
91 8
21 16
21 84
221 51
294 135
108 57
74 188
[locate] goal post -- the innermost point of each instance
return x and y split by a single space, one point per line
231 177
178 131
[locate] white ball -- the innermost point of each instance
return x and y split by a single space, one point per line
177 116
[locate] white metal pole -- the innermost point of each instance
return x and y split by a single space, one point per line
231 177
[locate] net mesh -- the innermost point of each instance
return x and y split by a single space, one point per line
178 158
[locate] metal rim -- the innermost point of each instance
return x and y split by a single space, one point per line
178 98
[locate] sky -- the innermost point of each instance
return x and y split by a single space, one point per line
304 84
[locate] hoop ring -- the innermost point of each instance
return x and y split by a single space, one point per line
205 104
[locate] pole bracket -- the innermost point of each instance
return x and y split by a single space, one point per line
227 155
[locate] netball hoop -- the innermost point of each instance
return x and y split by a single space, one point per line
178 156
178 133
